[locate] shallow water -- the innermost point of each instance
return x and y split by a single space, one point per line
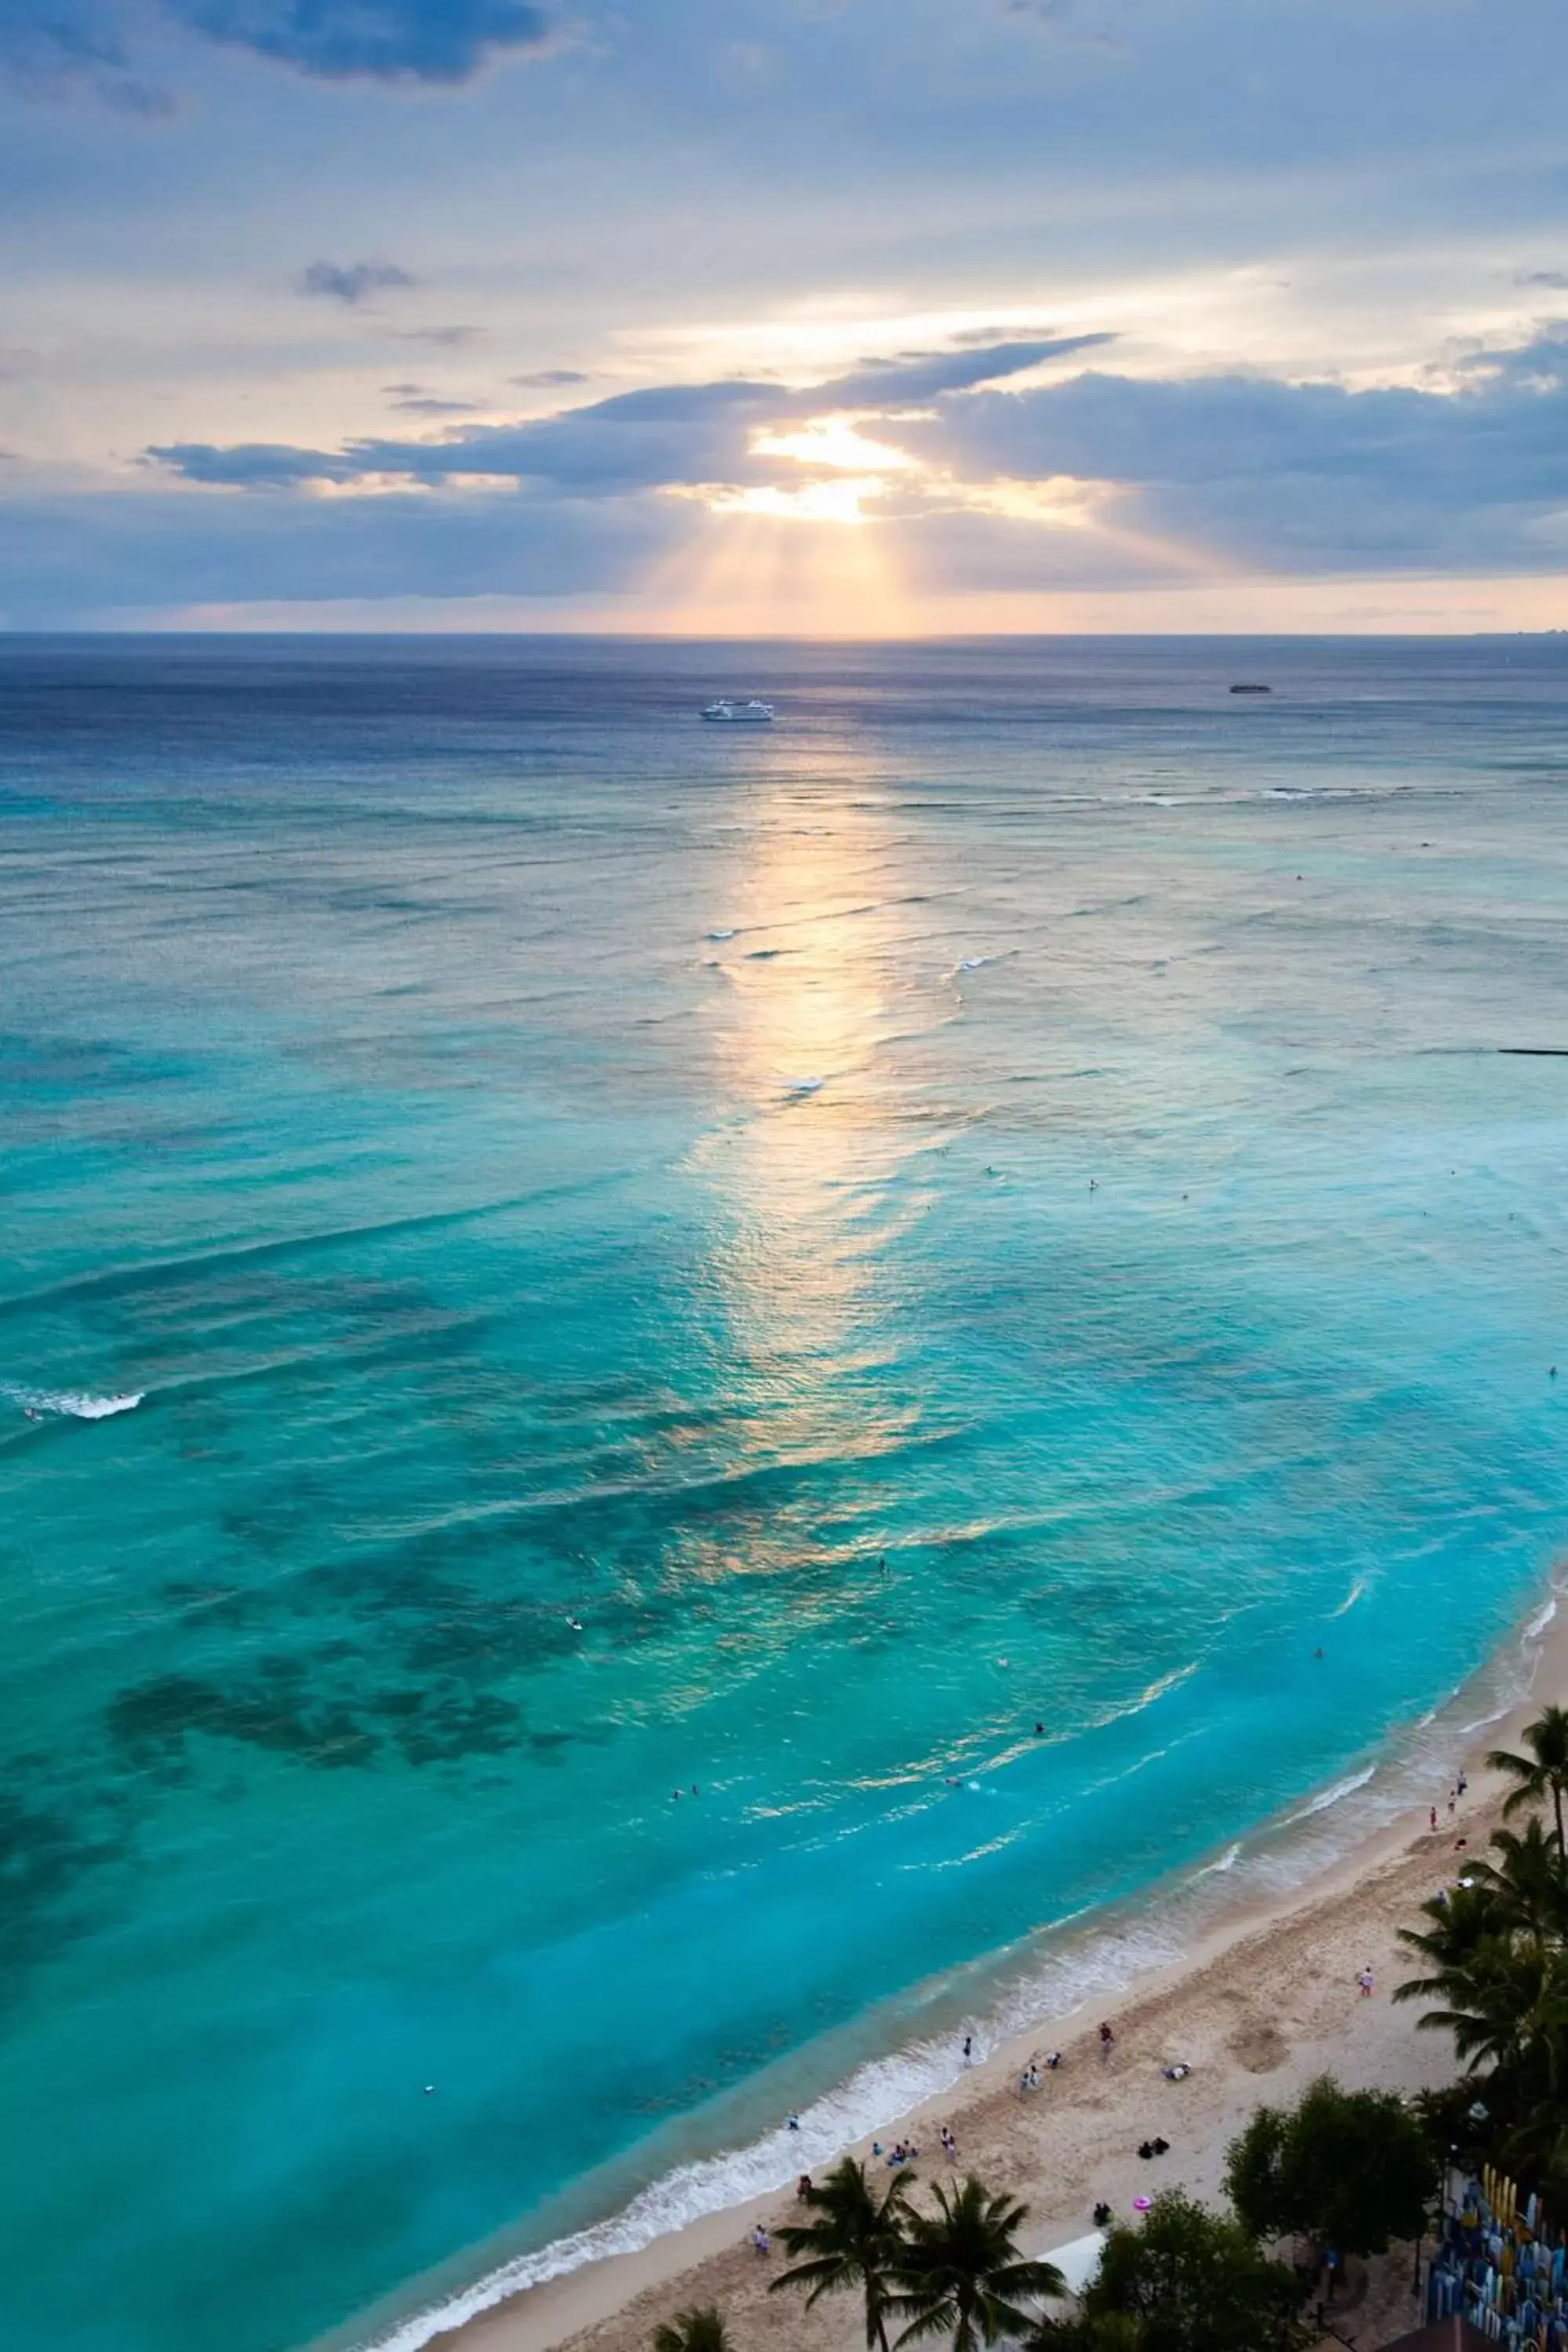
995 1200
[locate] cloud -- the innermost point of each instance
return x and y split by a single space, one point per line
666 436
1555 279
83 43
62 557
1300 476
926 375
373 40
351 281
67 48
548 378
1096 476
448 338
1062 21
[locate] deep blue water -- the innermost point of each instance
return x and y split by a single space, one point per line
994 1199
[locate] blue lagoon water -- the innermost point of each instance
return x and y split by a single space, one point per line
554 1254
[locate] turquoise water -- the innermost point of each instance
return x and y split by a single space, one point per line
995 1200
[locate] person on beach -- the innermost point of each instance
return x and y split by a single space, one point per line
1365 1980
1106 2039
969 2049
1053 2060
948 2146
760 2240
1434 1816
1462 1784
803 2187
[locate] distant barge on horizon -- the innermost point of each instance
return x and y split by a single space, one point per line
1251 690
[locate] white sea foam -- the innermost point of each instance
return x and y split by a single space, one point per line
1095 1964
1356 1592
1334 1795
1541 1619
77 1403
873 2098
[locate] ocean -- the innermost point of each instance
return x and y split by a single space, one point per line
683 1409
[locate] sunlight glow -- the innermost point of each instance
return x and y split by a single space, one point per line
838 502
833 441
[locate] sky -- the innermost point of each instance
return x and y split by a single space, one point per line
834 317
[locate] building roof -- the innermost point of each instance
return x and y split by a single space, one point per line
1444 2336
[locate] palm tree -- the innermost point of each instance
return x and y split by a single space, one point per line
1543 1771
1526 1883
857 2242
961 2273
1503 1997
698 2330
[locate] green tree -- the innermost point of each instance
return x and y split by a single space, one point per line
698 2330
1503 1996
1543 1770
1189 2280
1527 1885
961 2274
855 2242
1352 2169
1114 2331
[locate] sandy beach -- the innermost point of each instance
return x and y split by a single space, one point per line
1264 2001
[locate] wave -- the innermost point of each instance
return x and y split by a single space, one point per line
1356 1592
873 2098
1098 1962
77 1405
1536 1625
1334 1795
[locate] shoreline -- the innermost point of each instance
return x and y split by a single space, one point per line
1082 2123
